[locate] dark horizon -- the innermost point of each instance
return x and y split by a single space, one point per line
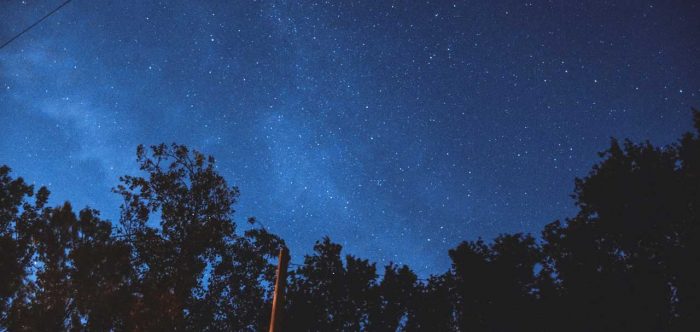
626 262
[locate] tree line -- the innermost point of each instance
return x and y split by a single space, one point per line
629 260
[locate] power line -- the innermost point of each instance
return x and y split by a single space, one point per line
290 263
376 273
34 24
289 268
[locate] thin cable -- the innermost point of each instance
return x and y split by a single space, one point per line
289 267
378 274
34 24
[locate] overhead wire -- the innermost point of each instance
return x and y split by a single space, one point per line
34 24
125 236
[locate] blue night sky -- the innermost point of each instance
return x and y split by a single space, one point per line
398 128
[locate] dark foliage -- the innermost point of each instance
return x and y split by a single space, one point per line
628 261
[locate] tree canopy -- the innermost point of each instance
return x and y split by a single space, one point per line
628 260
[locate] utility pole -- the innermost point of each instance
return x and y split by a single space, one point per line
280 286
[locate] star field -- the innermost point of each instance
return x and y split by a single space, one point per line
398 128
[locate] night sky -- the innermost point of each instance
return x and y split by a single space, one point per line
398 128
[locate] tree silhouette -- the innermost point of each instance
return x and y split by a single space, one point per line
194 272
628 260
237 296
496 284
81 274
16 215
326 295
434 305
396 297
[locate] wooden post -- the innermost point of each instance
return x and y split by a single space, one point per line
280 286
